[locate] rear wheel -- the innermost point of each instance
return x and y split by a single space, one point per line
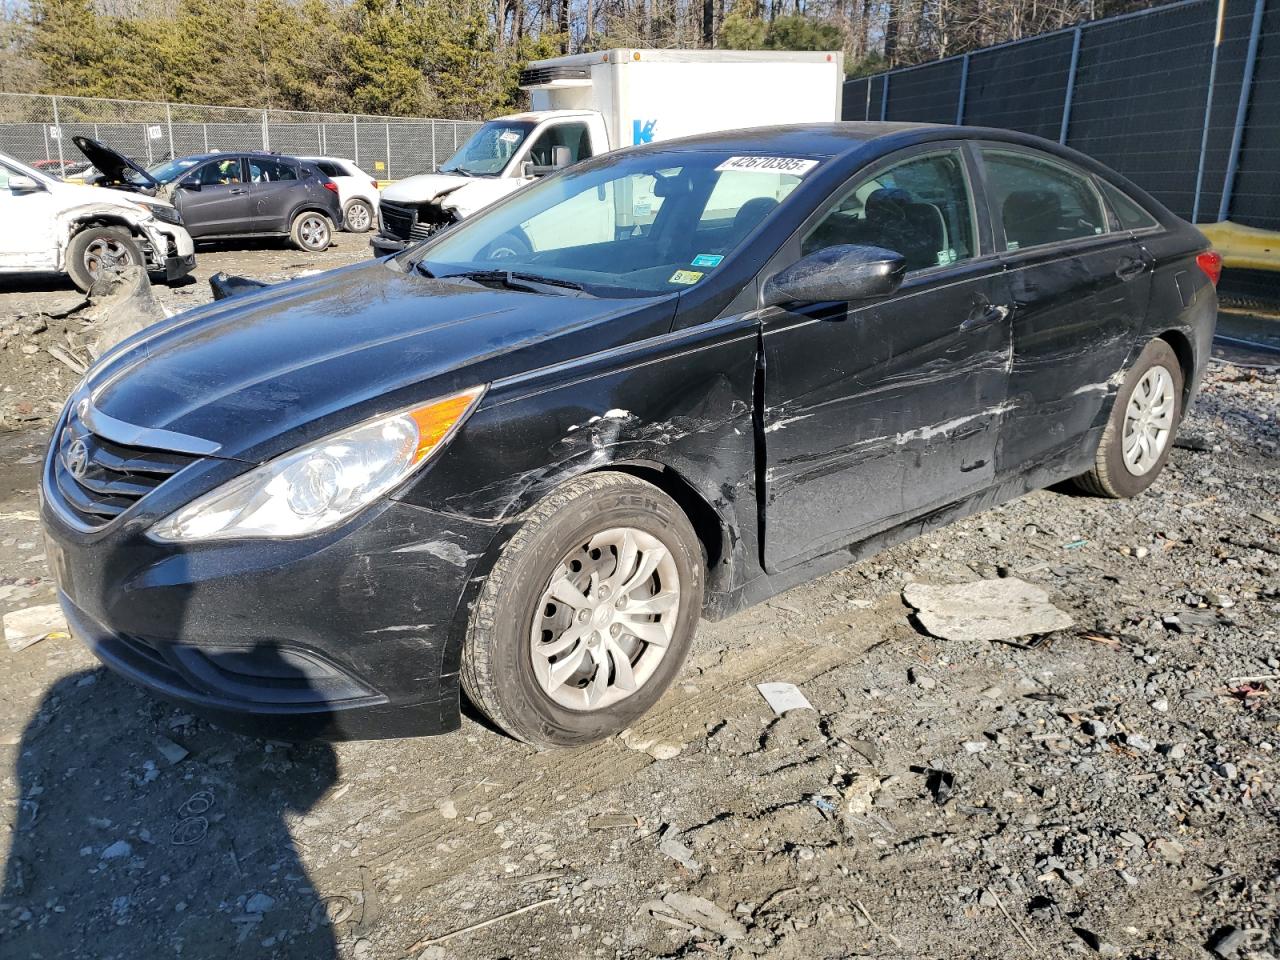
311 231
1139 434
100 250
587 615
358 217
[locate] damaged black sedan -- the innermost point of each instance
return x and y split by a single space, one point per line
523 459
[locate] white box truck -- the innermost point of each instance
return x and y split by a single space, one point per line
589 103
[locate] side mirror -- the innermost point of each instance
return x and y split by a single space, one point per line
24 184
842 272
561 157
191 184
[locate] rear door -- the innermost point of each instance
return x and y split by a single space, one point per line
877 411
1079 288
214 198
274 187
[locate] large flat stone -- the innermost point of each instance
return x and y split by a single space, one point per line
985 609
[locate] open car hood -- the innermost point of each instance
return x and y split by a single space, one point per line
114 166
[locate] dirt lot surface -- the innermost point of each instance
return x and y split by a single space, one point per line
1111 788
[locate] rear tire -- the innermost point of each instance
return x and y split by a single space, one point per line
97 249
643 539
1136 442
311 231
358 217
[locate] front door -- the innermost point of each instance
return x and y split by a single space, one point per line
876 412
27 221
1079 287
214 199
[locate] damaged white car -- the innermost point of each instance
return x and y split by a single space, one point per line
50 226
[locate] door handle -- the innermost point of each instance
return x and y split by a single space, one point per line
238 191
985 313
1131 267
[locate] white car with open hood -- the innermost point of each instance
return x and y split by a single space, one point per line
589 103
50 226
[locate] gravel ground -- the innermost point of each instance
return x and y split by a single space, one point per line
1110 788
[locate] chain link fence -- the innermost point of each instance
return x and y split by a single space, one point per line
1183 99
38 129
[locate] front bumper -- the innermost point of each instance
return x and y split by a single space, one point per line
177 267
351 634
383 245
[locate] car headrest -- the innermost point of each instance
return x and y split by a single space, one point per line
1031 216
751 213
887 203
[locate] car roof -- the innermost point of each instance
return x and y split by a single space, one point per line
201 157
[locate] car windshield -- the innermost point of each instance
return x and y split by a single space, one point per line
489 149
630 226
171 169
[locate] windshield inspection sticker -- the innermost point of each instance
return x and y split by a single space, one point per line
707 260
509 136
685 276
792 165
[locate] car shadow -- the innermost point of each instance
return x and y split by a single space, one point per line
140 830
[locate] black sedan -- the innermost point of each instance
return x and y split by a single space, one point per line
524 458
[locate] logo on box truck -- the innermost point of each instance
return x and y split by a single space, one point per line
642 131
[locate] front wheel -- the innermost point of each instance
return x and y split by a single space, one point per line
311 231
98 250
587 615
1139 434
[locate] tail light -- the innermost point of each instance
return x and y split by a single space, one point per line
1211 263
330 185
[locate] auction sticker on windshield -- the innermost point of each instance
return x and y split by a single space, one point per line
792 165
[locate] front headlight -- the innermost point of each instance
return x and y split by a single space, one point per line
162 212
318 486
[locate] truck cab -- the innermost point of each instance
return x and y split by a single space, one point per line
502 156
589 103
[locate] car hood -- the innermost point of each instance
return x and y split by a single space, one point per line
114 166
78 194
423 187
261 373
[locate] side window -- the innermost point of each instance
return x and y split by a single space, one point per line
1127 210
1039 201
5 174
571 135
219 172
264 170
919 208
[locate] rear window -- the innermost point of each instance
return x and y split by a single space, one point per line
1129 212
263 170
329 169
1039 201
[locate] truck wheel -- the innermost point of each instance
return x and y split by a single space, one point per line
587 615
1139 433
311 231
358 217
98 250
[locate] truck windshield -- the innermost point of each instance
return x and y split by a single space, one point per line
489 149
635 226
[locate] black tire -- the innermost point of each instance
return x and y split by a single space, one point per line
101 248
311 231
356 213
1109 476
497 671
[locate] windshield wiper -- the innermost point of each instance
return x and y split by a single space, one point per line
529 282
460 171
